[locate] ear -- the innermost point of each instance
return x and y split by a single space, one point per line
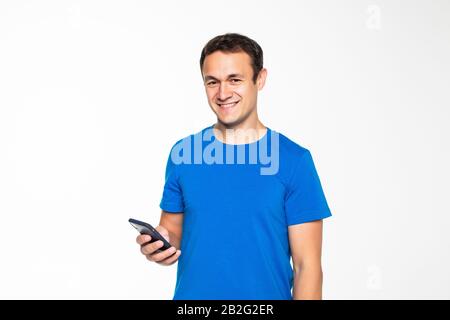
261 80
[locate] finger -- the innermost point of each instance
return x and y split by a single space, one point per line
163 231
151 247
143 238
171 260
163 255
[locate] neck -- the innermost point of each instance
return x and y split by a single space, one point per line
245 132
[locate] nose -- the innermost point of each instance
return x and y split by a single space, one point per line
224 92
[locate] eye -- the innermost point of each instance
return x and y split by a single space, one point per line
235 80
210 83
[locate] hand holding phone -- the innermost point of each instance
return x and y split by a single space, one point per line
164 253
147 228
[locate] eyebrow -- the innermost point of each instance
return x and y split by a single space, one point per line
233 75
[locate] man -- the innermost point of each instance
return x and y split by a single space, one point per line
235 222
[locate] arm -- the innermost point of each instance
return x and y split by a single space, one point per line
306 248
173 222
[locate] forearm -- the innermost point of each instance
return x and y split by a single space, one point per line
307 284
173 223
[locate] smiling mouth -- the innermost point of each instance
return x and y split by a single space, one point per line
228 105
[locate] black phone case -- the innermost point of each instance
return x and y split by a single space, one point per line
146 228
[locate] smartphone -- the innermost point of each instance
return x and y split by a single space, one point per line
146 228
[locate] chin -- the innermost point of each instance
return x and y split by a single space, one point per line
229 122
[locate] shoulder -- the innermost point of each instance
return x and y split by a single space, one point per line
290 151
188 139
189 148
293 158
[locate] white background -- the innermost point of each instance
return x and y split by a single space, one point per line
94 93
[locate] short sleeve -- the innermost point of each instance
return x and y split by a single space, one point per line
172 197
305 200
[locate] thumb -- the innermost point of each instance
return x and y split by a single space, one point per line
163 231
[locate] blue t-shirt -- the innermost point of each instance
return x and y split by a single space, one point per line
237 211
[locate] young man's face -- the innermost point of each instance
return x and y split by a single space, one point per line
228 79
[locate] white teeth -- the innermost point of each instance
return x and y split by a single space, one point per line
228 105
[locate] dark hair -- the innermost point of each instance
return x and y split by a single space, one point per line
234 42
